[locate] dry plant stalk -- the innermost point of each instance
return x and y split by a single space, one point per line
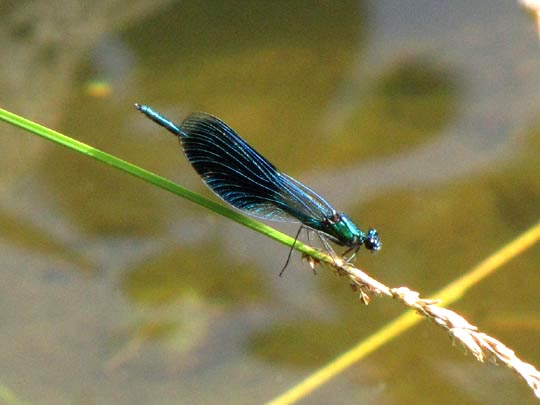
534 7
482 346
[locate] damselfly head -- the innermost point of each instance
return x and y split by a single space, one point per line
372 242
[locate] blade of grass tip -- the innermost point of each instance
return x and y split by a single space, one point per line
448 294
7 396
156 180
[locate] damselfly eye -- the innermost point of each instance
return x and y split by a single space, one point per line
373 242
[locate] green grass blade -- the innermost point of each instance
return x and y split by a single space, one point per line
156 180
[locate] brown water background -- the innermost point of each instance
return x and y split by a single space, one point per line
420 119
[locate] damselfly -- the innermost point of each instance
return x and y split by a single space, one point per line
243 178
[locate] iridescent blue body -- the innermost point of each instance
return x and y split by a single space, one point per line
246 180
